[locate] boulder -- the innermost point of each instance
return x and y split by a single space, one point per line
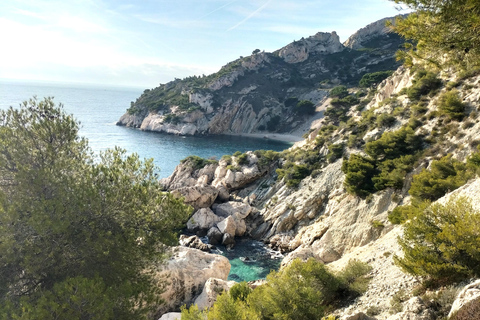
240 226
242 210
203 219
194 242
227 225
186 273
302 253
467 304
228 240
197 196
214 236
212 288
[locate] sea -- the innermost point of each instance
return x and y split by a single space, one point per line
98 108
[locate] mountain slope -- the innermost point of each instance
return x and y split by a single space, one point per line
260 93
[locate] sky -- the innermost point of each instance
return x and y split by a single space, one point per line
142 43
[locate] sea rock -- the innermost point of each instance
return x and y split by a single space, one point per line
242 210
203 219
213 287
414 309
186 273
227 225
467 304
357 316
197 196
194 242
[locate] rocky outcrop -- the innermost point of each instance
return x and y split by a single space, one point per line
467 304
195 243
371 31
171 316
197 196
203 220
322 42
186 273
213 287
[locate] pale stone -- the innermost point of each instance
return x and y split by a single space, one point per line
414 309
185 274
213 287
227 225
197 196
171 316
242 210
467 304
194 242
203 219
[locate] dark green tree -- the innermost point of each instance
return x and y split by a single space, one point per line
444 33
67 220
441 243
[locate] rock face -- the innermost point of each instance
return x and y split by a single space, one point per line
249 95
213 287
203 220
360 38
322 42
186 273
467 304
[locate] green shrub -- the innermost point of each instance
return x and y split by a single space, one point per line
339 92
359 172
451 105
272 124
394 144
424 82
240 291
335 151
305 107
197 162
354 277
402 213
385 120
372 79
446 174
441 243
242 159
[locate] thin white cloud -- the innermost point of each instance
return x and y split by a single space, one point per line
258 10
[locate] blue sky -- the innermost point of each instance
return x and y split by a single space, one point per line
146 42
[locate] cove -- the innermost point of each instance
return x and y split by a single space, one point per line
250 260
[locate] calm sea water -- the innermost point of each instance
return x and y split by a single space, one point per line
98 109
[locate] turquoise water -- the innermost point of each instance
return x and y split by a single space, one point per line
98 109
250 260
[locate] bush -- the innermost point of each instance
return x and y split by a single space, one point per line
273 123
451 105
372 79
305 107
423 83
441 243
392 145
339 92
446 174
359 172
335 151
197 162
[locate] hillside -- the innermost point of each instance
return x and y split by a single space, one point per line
304 202
261 93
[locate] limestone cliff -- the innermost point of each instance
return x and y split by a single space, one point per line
318 217
259 93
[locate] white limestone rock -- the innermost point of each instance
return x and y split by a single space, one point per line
242 210
197 196
171 316
213 287
227 225
203 219
186 273
467 304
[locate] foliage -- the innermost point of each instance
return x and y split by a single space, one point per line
335 151
441 243
241 159
197 162
402 213
423 83
446 33
273 123
266 157
374 78
305 107
339 92
451 105
392 145
359 172
240 291
446 174
192 313
69 224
